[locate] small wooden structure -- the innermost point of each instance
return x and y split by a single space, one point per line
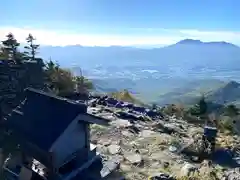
54 132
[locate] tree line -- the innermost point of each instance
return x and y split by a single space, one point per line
10 49
59 80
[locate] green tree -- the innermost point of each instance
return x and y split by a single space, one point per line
83 85
200 109
202 106
31 48
51 66
61 81
154 106
231 110
3 54
10 46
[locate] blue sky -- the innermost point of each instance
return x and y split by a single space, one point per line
121 22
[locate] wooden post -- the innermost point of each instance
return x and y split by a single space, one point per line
52 172
25 174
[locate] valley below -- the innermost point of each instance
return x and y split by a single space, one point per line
179 72
163 87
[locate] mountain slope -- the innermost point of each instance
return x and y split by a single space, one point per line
217 92
229 93
190 92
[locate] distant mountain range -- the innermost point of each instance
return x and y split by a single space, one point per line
178 72
198 42
192 52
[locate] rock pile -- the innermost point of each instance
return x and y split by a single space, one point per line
152 147
133 111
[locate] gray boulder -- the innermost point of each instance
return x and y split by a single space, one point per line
129 116
153 114
139 109
111 101
162 176
133 158
119 105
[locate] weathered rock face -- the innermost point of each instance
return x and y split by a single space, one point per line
161 148
14 78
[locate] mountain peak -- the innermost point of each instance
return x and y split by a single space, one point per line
190 41
198 42
232 84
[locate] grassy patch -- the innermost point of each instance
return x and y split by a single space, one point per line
126 96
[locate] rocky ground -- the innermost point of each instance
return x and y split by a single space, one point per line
142 145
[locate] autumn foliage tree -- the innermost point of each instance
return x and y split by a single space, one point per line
62 81
58 80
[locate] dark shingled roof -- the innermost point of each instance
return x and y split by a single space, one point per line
43 117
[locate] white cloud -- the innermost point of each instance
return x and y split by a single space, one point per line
50 37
